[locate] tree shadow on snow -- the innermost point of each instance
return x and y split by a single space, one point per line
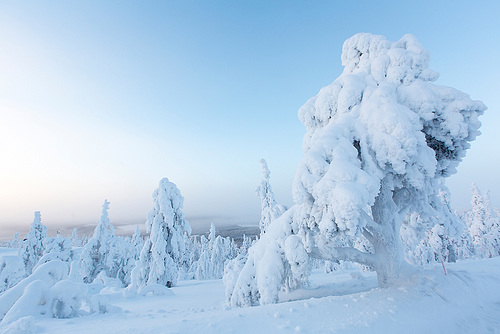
332 284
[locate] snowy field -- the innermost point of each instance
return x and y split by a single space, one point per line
466 300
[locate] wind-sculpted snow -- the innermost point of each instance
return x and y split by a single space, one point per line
379 141
347 302
48 273
49 292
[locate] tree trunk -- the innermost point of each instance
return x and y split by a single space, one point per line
385 238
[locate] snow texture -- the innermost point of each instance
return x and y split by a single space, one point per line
345 302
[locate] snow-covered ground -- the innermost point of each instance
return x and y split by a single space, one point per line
466 300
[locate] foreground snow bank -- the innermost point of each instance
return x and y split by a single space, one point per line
467 300
48 292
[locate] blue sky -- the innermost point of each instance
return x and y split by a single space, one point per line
103 99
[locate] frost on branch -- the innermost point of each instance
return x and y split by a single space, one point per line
378 142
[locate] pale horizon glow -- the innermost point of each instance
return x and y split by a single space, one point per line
100 101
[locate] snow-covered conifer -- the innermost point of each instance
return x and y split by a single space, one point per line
105 252
212 235
12 271
483 224
137 242
58 248
270 209
203 264
74 238
94 255
162 251
430 238
14 243
379 140
32 247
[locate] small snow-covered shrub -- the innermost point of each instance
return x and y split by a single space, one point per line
11 271
66 298
48 273
48 292
32 301
57 248
231 272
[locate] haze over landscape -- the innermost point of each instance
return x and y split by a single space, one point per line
102 100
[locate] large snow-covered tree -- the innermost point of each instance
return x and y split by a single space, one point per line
271 210
379 140
163 251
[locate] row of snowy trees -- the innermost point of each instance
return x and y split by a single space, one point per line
475 233
57 276
167 254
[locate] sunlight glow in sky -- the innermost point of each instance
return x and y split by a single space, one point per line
100 100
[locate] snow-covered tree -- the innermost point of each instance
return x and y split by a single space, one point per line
430 238
56 248
12 271
32 247
270 209
94 256
202 266
483 224
14 243
137 242
379 140
75 241
105 252
212 235
162 252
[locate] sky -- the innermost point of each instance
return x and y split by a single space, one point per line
100 100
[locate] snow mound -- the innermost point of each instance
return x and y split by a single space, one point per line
24 325
11 271
48 292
